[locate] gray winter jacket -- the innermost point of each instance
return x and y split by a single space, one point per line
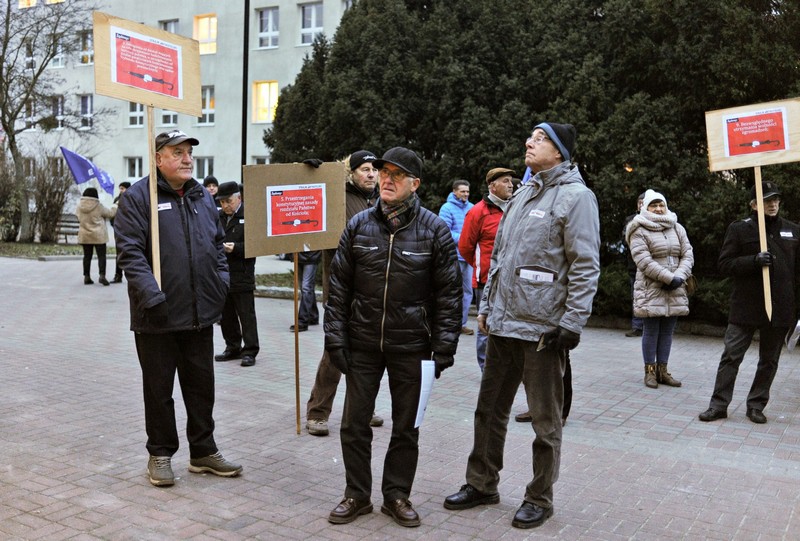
546 260
661 250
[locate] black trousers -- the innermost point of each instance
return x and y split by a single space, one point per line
239 323
87 258
737 341
363 382
191 354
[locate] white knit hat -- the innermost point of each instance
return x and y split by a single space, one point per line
650 196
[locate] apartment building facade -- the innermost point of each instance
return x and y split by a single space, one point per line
249 50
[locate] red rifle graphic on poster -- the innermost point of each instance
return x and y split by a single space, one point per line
146 63
756 132
294 209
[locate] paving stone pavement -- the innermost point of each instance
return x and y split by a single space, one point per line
636 463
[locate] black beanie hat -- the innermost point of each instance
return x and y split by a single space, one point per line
90 192
563 135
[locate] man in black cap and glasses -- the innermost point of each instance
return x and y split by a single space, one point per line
173 321
395 299
742 259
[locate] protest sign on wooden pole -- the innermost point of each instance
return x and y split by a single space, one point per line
753 136
152 67
293 208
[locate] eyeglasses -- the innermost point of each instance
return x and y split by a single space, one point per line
538 140
397 175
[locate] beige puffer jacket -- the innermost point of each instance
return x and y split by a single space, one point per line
661 250
92 217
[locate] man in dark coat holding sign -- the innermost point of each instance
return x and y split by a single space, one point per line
741 258
172 321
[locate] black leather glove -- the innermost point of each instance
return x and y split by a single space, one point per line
561 338
442 361
340 358
157 315
313 162
674 284
763 259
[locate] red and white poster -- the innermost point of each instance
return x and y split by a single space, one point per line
295 208
145 62
756 132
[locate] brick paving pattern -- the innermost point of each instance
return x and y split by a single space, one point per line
636 462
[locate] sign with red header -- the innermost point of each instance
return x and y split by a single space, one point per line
756 132
146 62
753 135
294 209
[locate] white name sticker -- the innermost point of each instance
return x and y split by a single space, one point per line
786 234
535 276
241 220
164 206
537 213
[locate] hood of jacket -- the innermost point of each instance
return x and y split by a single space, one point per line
88 204
456 201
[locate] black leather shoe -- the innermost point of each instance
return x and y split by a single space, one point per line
402 512
757 416
348 510
469 497
248 360
228 355
712 415
300 328
530 515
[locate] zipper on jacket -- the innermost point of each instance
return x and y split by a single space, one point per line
184 208
386 275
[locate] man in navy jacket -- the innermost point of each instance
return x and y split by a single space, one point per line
173 321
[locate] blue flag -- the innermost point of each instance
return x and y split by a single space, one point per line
84 170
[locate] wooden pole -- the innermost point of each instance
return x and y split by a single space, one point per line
296 349
762 240
154 238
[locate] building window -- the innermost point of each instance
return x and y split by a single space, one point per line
58 111
53 1
170 25
26 4
260 160
203 167
205 31
207 102
87 110
58 60
169 118
28 167
265 98
135 114
56 166
133 166
86 48
30 59
268 27
30 122
311 17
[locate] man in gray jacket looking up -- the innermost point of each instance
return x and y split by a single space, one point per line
538 296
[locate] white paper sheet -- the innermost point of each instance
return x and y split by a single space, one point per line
428 375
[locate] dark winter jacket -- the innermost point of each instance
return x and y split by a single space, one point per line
194 270
396 293
736 260
242 269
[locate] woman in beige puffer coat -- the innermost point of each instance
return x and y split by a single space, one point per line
663 255
93 232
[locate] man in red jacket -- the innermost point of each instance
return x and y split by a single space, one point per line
477 237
